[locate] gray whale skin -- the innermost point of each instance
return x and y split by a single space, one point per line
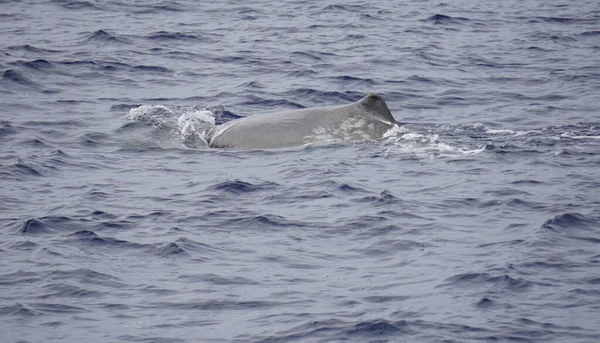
366 119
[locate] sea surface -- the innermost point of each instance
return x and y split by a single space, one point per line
477 220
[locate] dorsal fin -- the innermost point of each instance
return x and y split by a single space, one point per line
375 104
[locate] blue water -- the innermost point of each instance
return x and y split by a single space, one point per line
477 221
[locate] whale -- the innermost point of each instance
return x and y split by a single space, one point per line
365 120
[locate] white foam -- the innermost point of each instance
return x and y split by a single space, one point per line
571 135
144 111
192 118
184 124
192 126
395 131
500 132
523 133
423 144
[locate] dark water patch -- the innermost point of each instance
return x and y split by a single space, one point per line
423 80
89 63
485 279
381 299
246 13
363 222
384 247
375 331
507 192
97 214
559 20
19 277
151 215
157 339
574 226
93 139
161 6
25 245
39 125
102 36
304 196
452 101
566 221
158 291
382 230
218 279
527 182
322 329
445 19
58 290
191 246
238 60
555 263
261 221
90 238
73 102
31 48
18 310
38 64
369 17
35 143
378 328
57 308
349 189
591 33
22 170
384 198
51 224
85 276
344 8
151 69
509 243
6 129
35 227
252 85
485 303
353 79
166 36
526 205
547 36
588 292
55 323
302 73
308 55
168 249
240 187
116 307
353 37
76 5
538 49
115 224
214 305
15 78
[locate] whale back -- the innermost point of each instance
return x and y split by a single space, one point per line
368 118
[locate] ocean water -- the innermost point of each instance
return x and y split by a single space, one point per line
477 220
